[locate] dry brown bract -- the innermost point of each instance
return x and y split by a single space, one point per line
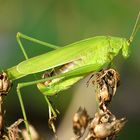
13 132
104 126
106 83
80 122
5 84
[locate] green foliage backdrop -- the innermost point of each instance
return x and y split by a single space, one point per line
63 22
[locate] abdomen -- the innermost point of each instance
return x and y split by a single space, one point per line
52 87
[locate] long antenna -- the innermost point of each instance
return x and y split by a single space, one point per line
135 28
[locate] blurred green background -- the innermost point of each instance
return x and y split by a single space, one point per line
62 22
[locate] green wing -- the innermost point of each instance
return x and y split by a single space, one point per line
55 58
48 60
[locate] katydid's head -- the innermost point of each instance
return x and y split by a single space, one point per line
117 44
126 43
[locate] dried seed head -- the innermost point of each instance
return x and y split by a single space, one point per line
13 131
105 125
103 130
106 82
80 121
5 84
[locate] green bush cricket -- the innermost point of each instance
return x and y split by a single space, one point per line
81 58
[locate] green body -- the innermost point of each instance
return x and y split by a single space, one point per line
98 50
